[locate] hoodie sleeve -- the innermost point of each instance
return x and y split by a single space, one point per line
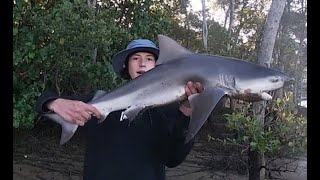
177 149
47 96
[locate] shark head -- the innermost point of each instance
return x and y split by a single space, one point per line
255 87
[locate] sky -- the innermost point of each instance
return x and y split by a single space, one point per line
196 5
217 13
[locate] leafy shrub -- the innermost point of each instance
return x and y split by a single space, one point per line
283 131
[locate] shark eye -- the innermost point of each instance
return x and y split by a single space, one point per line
275 79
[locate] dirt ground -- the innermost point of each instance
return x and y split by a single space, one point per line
37 155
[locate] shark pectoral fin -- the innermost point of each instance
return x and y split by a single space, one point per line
131 113
67 129
202 105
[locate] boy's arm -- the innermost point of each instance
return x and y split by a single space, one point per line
177 149
73 109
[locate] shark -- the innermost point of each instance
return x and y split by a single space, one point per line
165 83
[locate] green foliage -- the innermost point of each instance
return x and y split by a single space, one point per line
251 133
144 19
54 49
282 132
217 39
287 125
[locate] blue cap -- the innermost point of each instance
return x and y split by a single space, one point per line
138 45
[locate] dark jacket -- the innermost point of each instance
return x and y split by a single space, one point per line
117 150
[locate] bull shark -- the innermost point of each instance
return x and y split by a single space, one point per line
220 76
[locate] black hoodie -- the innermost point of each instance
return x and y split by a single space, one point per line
117 150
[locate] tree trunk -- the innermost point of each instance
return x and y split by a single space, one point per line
270 32
231 16
233 102
256 158
93 4
281 56
237 31
226 18
188 28
300 64
187 23
204 26
230 28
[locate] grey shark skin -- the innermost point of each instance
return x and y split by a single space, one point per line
220 76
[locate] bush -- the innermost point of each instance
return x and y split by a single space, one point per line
231 136
283 130
54 48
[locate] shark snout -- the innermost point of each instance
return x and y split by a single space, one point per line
288 80
285 79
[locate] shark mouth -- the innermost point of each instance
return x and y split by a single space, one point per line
252 96
141 72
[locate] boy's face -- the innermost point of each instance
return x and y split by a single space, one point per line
139 63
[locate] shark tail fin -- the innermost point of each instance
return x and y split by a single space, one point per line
67 129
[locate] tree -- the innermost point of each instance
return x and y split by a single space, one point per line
204 26
256 158
299 31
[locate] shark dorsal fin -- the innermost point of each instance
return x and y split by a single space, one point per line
170 50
